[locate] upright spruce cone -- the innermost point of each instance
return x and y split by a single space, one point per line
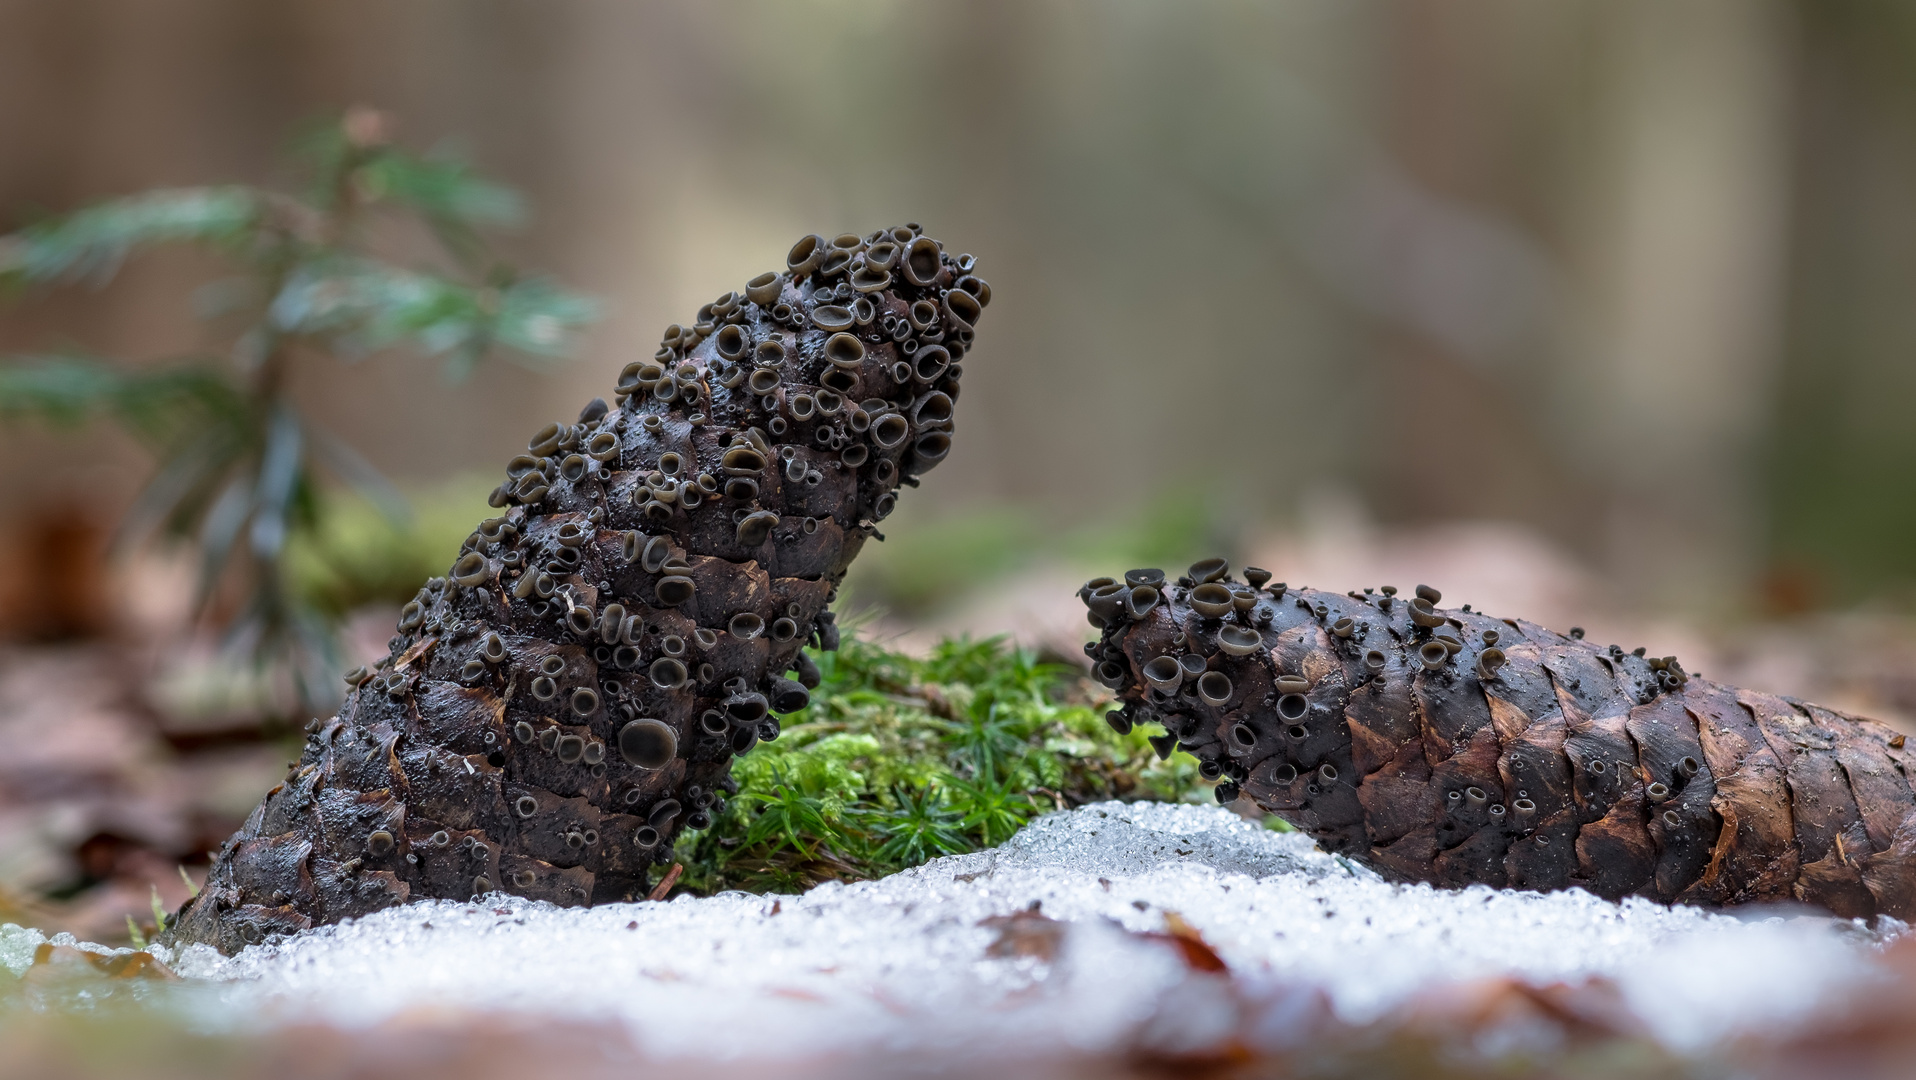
1453 748
570 695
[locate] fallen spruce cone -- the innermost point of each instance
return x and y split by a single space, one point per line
1453 748
570 695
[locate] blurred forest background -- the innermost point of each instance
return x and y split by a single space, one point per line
1593 311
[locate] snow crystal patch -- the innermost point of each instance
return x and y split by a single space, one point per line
17 944
904 963
1130 838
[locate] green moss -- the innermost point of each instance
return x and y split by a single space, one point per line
900 759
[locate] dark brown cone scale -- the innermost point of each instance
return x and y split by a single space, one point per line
570 696
1512 756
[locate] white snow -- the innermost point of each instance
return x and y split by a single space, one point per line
904 964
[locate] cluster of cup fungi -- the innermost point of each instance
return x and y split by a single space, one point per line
1448 747
569 697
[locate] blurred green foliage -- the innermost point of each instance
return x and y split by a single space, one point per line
929 560
239 464
356 554
898 760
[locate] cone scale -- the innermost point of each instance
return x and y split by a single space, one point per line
1453 748
568 698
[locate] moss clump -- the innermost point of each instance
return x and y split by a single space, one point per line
898 760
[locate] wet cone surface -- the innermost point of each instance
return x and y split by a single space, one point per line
569 697
1454 748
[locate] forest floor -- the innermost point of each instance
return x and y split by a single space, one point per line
1115 940
1153 940
124 759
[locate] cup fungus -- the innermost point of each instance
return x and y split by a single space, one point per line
1631 776
1164 674
551 669
1214 687
1211 600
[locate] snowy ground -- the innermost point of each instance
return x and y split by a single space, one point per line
951 958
